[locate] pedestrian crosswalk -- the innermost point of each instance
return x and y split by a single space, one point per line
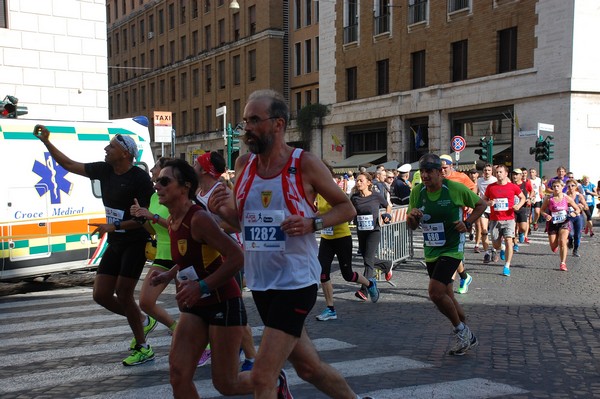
53 343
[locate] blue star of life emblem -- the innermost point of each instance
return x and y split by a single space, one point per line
52 179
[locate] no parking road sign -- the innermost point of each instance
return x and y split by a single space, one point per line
458 143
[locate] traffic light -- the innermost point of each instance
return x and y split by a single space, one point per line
483 152
540 150
233 144
10 109
548 151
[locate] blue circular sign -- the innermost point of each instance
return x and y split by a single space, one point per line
458 143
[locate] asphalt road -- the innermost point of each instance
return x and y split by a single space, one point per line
539 333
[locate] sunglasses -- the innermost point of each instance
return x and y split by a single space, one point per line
164 181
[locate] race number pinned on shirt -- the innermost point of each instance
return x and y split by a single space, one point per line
262 231
365 222
327 231
559 216
434 234
501 204
113 215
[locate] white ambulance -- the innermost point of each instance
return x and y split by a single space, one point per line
45 211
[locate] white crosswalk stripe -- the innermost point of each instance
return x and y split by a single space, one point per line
22 327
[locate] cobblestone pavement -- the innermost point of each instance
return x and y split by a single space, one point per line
539 334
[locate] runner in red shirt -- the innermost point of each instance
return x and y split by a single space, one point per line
500 196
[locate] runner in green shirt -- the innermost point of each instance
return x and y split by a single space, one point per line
436 205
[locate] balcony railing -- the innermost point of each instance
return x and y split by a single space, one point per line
350 33
456 5
417 12
382 24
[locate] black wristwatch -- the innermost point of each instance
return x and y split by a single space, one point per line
317 224
468 225
117 224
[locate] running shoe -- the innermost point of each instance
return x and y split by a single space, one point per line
487 258
247 365
502 253
570 244
283 391
204 358
327 314
152 323
563 266
527 240
388 275
515 248
555 250
139 355
495 256
360 295
464 338
521 237
576 253
476 249
463 288
506 271
535 226
587 229
591 233
373 290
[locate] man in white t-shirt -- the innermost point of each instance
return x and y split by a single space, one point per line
481 225
538 196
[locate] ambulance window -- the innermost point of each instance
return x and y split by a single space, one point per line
143 166
96 189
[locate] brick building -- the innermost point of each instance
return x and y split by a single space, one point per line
399 77
403 70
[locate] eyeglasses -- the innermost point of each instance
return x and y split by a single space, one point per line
255 120
164 181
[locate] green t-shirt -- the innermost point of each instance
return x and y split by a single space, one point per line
163 241
440 210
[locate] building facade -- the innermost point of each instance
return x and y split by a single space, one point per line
53 58
192 57
407 76
399 77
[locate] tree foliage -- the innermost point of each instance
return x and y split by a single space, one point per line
307 115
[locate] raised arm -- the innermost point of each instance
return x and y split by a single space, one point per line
42 133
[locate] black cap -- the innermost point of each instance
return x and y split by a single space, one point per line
430 161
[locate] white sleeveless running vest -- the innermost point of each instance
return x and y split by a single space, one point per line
272 259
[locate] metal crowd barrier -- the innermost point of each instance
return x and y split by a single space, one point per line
396 239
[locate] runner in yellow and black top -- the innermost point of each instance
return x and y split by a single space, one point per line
436 205
337 240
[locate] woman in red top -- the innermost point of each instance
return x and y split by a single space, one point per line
209 299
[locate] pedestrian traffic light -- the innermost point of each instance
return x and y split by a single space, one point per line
483 152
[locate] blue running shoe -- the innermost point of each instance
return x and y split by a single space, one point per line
373 290
521 238
464 284
327 314
506 271
515 248
502 254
